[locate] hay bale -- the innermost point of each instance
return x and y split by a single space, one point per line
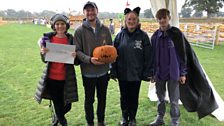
2 22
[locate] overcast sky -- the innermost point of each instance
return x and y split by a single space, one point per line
65 5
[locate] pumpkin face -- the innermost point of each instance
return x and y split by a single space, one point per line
105 53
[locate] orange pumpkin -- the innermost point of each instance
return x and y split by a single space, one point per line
105 53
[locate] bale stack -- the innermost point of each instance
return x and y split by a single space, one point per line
76 20
2 21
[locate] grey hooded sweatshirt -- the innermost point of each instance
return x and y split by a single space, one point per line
86 39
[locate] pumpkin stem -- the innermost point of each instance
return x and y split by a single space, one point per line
104 42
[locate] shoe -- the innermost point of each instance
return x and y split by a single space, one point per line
101 124
175 124
124 122
64 122
157 122
132 122
54 120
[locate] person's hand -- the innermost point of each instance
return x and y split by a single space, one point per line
95 61
43 41
113 77
153 80
182 79
74 54
44 50
147 79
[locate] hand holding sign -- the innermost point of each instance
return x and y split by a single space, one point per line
60 53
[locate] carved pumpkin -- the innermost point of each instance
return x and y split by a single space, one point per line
105 53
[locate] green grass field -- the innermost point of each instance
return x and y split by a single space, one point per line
21 68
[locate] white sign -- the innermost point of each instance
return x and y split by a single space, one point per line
60 53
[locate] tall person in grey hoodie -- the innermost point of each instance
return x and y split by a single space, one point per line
88 36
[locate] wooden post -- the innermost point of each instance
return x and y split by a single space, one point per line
217 35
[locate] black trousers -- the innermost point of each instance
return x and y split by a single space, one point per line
56 91
90 85
129 94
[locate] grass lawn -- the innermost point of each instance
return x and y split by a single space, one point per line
21 68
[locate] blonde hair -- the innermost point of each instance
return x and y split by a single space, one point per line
125 18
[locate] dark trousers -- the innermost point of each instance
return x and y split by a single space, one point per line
56 91
173 91
129 94
90 85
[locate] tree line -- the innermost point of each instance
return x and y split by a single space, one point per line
22 14
191 8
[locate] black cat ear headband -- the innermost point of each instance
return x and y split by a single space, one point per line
136 10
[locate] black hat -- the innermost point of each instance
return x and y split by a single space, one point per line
89 3
136 10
